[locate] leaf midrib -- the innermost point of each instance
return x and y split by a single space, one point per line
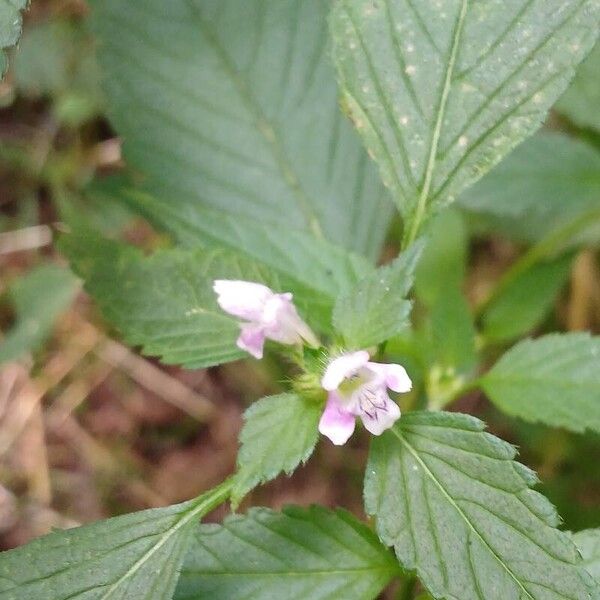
263 125
198 510
441 113
461 513
146 557
450 177
311 572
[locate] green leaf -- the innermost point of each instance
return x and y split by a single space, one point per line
545 184
526 300
38 299
133 557
441 92
452 332
233 106
443 263
42 64
279 433
460 512
56 59
165 302
97 207
316 263
588 543
449 329
580 102
298 554
377 309
11 23
553 380
445 344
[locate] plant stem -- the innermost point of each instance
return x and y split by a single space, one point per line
407 590
424 196
440 402
469 386
381 350
545 248
208 501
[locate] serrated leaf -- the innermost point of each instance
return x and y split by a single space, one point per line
315 263
441 92
165 302
297 554
11 22
279 433
243 116
580 102
376 309
526 300
38 299
545 184
588 542
133 557
460 512
554 380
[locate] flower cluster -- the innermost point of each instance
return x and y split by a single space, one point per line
355 386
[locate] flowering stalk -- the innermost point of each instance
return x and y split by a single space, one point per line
355 386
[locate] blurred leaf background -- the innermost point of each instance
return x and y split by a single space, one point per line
90 429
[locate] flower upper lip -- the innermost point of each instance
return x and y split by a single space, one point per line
358 388
266 315
342 368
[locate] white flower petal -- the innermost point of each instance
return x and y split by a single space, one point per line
395 376
343 367
336 423
244 299
281 320
283 323
252 339
259 305
380 420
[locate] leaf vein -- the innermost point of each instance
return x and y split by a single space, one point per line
458 509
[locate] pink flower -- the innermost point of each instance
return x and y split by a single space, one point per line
267 315
358 388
